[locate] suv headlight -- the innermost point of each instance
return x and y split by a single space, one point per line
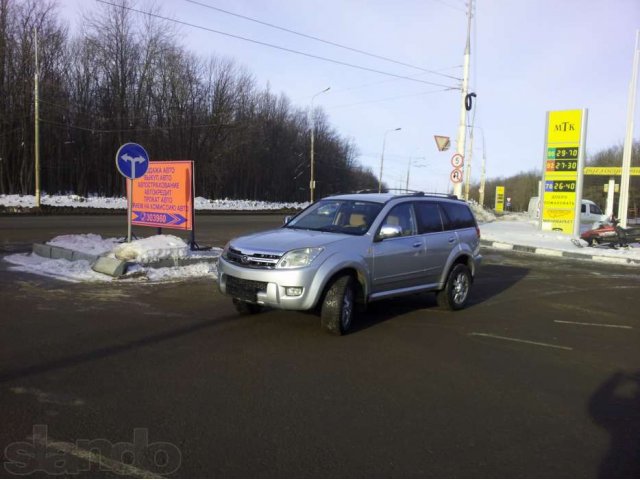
299 258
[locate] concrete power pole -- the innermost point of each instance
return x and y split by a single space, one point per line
623 205
483 174
462 128
467 164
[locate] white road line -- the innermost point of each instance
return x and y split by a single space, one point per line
539 344
594 324
114 466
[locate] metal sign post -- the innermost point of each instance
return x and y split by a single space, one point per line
132 161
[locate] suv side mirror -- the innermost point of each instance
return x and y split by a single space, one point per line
389 231
287 219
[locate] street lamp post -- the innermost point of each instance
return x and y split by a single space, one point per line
384 141
312 182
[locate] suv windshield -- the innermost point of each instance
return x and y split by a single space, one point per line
339 216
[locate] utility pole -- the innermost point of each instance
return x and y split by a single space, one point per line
462 128
36 115
312 122
467 163
384 142
484 172
623 204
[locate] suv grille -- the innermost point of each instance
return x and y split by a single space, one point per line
252 260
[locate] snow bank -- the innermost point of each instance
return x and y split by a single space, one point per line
86 243
147 250
144 250
482 214
28 201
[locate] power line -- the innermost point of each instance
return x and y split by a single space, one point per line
328 42
389 99
270 45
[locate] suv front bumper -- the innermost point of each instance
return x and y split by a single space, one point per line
273 292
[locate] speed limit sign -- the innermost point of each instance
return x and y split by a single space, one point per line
456 175
457 160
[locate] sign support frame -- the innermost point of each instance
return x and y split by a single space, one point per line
580 179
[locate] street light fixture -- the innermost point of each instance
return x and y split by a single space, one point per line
312 182
384 141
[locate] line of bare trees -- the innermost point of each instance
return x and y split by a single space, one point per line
124 77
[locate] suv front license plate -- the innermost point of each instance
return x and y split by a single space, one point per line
244 289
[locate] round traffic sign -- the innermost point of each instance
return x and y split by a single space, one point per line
456 175
132 160
457 160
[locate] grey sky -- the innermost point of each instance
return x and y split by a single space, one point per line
528 56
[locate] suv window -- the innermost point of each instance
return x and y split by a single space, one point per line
341 216
459 216
402 215
428 215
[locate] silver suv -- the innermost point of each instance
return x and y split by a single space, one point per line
349 250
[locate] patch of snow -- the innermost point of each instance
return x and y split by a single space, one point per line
147 250
85 243
144 250
482 214
77 271
526 233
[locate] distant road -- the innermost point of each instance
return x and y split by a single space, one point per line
18 232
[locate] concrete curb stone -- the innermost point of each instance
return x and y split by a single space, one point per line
558 253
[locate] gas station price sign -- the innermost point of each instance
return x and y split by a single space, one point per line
563 162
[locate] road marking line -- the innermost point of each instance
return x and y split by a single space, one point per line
594 324
540 344
114 466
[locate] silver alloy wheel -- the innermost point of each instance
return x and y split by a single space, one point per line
347 309
460 288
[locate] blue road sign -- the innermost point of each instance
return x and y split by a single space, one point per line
132 160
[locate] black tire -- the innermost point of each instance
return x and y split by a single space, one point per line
455 293
338 306
246 308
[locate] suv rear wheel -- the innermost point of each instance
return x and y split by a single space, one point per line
455 293
338 305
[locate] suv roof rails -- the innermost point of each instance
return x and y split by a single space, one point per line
409 193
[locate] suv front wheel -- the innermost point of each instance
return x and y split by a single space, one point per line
455 293
338 306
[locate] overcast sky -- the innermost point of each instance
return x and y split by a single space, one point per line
527 57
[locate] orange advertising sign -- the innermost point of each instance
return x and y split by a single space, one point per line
163 197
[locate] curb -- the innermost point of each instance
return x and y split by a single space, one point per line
558 253
112 266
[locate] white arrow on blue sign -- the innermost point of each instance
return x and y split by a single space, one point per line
132 160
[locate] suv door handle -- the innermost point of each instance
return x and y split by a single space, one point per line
417 244
452 239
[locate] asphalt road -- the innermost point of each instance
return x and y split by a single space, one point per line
538 377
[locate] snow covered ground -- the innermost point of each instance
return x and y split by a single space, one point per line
145 251
510 229
28 201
